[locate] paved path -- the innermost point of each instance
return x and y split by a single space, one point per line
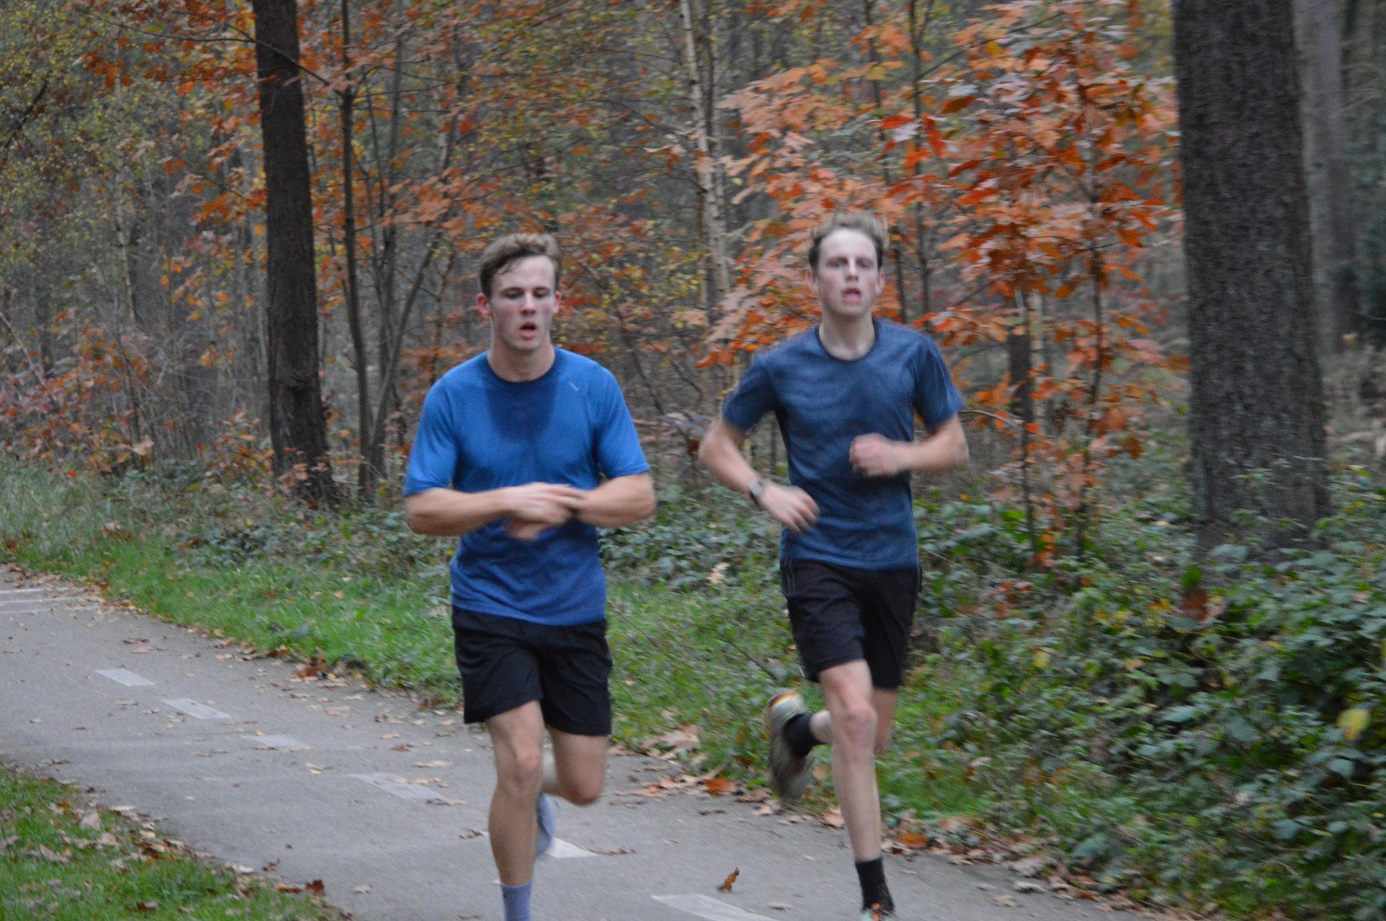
386 803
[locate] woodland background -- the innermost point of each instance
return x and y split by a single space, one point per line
1025 155
1162 670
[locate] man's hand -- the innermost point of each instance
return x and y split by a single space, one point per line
876 456
536 507
790 506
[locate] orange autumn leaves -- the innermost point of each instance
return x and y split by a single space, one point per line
1027 170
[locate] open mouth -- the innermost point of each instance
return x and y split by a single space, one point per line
529 329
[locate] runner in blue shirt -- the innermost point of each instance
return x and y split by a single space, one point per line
845 395
522 453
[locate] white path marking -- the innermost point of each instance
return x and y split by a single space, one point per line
127 678
20 591
398 786
195 709
566 850
709 908
30 602
278 743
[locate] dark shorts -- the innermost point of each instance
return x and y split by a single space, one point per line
506 663
840 614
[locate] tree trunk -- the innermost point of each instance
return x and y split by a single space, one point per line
1257 414
1365 51
368 476
1330 186
919 28
298 425
704 163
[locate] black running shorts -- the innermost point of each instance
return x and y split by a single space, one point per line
840 614
506 663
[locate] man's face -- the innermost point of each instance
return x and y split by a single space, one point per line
848 279
521 306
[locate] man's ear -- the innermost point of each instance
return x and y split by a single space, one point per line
557 301
811 279
483 306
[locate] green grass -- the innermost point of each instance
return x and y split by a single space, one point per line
63 860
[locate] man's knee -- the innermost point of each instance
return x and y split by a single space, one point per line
524 771
854 725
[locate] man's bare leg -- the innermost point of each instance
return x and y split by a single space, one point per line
576 769
517 736
851 724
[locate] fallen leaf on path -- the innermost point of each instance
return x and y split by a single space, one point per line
832 818
1006 901
913 839
1029 866
433 764
719 786
684 738
1028 885
731 878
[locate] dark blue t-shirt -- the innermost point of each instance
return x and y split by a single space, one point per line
479 431
822 404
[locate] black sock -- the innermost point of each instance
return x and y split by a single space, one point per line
799 736
874 893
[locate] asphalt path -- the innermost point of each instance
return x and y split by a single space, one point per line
300 778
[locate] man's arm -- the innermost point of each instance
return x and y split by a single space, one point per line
618 502
945 448
721 454
451 513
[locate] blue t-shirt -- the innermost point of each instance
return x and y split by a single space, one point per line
479 431
822 403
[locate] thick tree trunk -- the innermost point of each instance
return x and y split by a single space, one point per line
1257 414
1330 188
298 426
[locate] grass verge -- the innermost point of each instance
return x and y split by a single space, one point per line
64 860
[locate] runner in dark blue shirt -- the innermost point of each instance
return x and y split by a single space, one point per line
522 453
845 395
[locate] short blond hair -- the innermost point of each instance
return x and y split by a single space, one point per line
513 247
863 222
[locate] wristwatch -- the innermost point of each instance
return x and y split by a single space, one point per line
755 489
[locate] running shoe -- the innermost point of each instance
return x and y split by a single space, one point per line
544 839
877 913
789 773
